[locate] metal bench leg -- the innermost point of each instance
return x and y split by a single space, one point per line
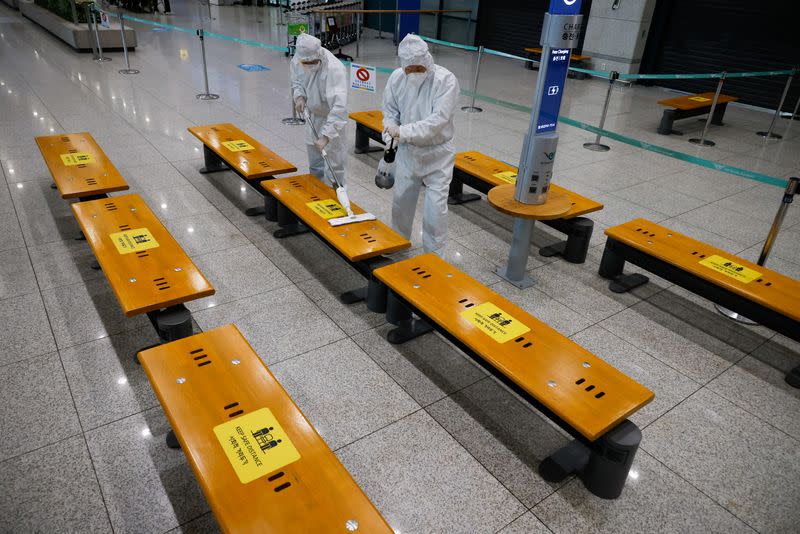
95 265
611 266
362 141
793 377
667 120
213 163
457 195
603 466
719 113
374 293
172 323
289 224
172 440
576 247
397 313
53 186
270 208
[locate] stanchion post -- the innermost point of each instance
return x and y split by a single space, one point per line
472 108
397 24
702 141
207 95
87 7
768 134
358 33
597 146
380 21
127 69
100 57
792 189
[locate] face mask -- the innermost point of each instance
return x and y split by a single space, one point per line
415 79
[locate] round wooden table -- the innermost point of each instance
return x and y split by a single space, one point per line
525 215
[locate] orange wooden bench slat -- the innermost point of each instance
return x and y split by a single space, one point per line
321 495
372 119
573 57
256 163
485 167
357 241
95 175
143 280
553 369
772 290
686 102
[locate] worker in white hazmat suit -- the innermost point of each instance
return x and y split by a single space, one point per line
319 85
418 106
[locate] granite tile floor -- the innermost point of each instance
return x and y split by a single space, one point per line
439 446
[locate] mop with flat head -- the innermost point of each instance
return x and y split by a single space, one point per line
341 192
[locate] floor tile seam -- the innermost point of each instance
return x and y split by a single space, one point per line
478 461
746 410
56 442
185 523
371 432
541 519
699 490
97 480
699 384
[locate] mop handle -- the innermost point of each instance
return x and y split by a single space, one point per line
335 179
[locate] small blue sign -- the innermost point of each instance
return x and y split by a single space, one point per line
565 7
557 65
253 68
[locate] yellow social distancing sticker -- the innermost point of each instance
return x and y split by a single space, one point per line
77 158
494 322
730 268
238 145
133 240
507 176
699 99
327 209
255 445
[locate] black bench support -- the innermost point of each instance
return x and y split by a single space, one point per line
172 323
213 163
363 135
617 253
602 465
672 115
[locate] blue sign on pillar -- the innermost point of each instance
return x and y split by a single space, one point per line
565 7
556 75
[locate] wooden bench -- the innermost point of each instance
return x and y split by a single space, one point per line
261 464
146 268
482 172
227 147
754 291
79 167
576 60
683 107
369 125
305 203
585 396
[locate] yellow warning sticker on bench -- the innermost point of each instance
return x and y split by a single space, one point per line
77 158
238 145
699 99
730 268
255 445
507 176
494 322
327 209
134 240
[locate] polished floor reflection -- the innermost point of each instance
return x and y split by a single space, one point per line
437 444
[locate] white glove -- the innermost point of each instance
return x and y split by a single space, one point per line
300 104
393 131
322 142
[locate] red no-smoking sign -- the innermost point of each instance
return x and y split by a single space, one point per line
362 77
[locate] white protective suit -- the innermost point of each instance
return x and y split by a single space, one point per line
324 86
422 105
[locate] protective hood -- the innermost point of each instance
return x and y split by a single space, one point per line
308 48
414 51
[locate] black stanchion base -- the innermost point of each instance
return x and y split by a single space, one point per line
206 96
596 147
769 135
128 71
